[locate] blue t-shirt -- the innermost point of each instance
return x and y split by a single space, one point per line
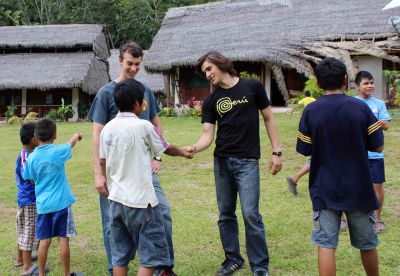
378 108
103 108
46 167
26 190
337 130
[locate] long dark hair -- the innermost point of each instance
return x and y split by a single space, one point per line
223 63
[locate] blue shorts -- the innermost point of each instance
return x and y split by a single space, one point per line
56 224
326 228
377 170
138 229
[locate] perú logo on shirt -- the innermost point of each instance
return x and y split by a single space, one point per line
225 104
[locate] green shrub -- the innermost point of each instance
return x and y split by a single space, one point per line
245 74
52 114
168 112
187 112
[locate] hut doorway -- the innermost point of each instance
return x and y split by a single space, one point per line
276 95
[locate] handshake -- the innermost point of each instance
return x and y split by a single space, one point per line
187 152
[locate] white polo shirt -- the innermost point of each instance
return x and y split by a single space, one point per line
126 143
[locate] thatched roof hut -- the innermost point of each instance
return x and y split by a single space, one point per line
45 71
63 61
153 80
48 37
286 33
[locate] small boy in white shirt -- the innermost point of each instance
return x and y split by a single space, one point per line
126 143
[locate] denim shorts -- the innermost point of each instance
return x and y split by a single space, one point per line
377 170
138 229
326 228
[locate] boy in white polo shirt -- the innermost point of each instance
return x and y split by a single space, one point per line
126 143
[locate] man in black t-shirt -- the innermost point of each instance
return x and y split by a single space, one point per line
337 130
235 106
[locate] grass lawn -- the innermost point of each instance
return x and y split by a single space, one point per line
189 186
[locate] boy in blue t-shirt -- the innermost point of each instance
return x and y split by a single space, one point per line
45 167
337 131
26 215
365 88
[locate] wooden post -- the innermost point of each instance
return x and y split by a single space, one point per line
167 87
75 101
23 102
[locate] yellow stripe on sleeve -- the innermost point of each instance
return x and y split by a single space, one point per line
304 138
373 129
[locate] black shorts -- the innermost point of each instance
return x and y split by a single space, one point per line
377 170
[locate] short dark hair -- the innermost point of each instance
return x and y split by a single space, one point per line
222 62
330 74
45 129
307 93
363 75
27 132
131 48
127 93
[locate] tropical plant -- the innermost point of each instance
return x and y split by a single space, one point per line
65 111
32 116
10 111
52 114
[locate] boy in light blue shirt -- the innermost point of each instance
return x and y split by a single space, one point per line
45 168
365 88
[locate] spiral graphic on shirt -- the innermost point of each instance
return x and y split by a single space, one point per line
224 105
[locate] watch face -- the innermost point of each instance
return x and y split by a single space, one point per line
277 153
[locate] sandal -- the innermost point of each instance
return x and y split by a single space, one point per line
34 270
292 185
34 259
380 227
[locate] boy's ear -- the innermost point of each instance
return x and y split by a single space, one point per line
55 136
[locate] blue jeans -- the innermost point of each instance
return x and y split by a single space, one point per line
166 211
241 176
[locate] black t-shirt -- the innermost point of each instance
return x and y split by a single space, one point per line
236 111
337 130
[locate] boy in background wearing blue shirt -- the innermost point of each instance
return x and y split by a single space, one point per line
26 215
45 167
365 88
337 131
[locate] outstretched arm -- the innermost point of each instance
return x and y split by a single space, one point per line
74 139
275 164
205 140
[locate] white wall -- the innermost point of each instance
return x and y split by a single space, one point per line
374 66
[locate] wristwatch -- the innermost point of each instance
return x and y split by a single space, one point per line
277 153
158 158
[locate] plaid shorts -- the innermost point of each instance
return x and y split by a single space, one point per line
26 228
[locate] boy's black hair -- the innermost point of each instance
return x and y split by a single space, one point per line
27 132
307 93
363 75
127 93
45 129
330 74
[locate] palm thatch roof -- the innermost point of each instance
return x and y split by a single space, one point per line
46 71
55 37
153 80
280 32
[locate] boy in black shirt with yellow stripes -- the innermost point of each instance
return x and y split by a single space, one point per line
338 130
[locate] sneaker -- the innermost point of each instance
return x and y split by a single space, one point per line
260 273
380 227
167 272
343 224
292 185
229 266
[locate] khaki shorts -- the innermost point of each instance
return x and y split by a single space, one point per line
26 228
